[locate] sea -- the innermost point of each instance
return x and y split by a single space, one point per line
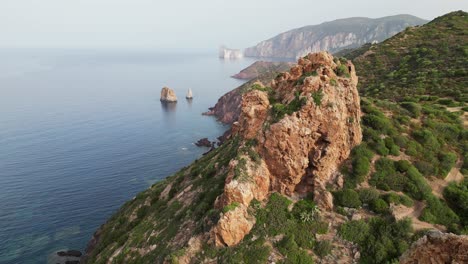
83 131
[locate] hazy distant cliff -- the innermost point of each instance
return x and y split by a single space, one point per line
332 36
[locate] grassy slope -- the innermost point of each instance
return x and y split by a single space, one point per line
427 60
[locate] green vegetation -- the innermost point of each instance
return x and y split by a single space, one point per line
280 110
456 196
380 240
323 248
428 60
347 198
230 207
317 97
123 230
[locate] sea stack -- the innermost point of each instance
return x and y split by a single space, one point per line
168 95
189 94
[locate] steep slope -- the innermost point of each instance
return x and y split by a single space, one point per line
332 36
427 60
289 139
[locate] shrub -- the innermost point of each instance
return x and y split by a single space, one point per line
456 196
347 198
438 212
413 108
447 161
294 255
368 195
362 150
380 148
379 206
402 165
380 241
417 187
355 231
361 166
317 97
379 123
230 207
323 248
342 70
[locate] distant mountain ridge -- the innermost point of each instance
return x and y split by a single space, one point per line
332 36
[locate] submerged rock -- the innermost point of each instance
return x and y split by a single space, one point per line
168 95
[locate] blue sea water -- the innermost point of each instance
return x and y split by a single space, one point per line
83 131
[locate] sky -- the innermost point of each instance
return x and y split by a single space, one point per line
183 24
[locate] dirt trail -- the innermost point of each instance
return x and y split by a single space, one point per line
438 185
464 117
414 212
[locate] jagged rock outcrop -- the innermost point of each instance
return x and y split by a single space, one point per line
227 108
301 152
168 95
262 67
437 248
332 36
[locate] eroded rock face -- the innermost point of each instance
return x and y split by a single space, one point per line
437 248
168 95
301 152
227 108
254 183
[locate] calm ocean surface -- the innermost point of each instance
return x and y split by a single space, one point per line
81 132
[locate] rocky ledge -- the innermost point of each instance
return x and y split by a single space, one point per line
437 248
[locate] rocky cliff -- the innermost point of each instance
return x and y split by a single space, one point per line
437 248
332 36
314 126
289 138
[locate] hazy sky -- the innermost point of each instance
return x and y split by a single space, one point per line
184 24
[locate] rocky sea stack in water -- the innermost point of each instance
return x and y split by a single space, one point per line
168 95
290 138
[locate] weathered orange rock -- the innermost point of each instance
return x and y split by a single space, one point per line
254 112
437 248
300 153
303 150
233 226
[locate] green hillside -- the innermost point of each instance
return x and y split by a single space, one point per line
426 60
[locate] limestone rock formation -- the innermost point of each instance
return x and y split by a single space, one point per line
332 36
168 95
301 152
437 248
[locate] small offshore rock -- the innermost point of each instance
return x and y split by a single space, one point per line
204 142
168 95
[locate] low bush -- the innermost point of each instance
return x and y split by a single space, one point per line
368 195
323 248
347 198
379 206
